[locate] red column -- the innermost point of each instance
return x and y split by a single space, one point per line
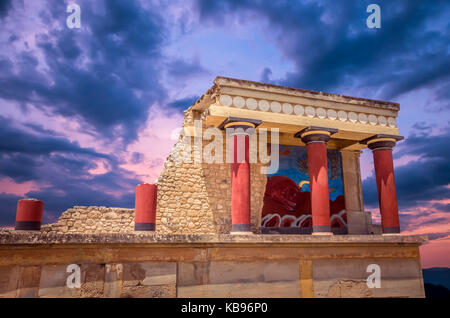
240 185
29 214
316 139
384 172
240 175
318 180
145 207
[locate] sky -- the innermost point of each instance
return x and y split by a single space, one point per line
88 113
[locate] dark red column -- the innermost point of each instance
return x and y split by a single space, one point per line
384 172
240 175
145 207
318 182
315 139
29 214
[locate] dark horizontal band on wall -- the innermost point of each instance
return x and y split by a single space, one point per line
286 230
321 228
28 225
299 230
240 228
144 226
391 229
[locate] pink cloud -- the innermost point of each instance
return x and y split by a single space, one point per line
9 186
154 142
436 253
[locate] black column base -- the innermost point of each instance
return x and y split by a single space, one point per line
144 226
241 228
391 230
28 225
321 228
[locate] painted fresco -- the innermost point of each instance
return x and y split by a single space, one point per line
287 201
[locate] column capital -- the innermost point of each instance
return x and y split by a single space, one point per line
239 126
381 141
313 134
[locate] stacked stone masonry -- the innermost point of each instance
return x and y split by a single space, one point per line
93 220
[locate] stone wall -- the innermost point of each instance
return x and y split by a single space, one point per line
93 220
196 197
156 265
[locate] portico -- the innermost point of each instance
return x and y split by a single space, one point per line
320 122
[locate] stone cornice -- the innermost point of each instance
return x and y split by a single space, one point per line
238 83
366 116
15 238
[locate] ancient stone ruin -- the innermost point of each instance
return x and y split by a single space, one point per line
261 196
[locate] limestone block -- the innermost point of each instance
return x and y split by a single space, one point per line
28 282
113 280
149 274
9 280
238 279
160 291
357 223
53 282
346 277
92 280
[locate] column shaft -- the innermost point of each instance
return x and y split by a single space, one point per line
318 178
145 207
387 196
240 184
316 139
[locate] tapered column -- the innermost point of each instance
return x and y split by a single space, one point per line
316 139
145 207
381 146
29 214
239 131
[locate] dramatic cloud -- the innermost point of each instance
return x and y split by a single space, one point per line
5 5
332 48
184 103
101 73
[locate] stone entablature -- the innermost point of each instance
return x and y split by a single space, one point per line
370 118
289 109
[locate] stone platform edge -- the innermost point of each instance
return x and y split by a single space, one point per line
30 238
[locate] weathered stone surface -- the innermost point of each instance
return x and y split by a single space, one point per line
113 280
239 279
157 273
350 289
93 220
9 280
159 291
347 277
241 290
357 223
29 281
53 282
34 238
150 274
215 265
92 280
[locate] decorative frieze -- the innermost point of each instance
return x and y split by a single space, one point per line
308 111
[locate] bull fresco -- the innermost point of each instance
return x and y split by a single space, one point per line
287 201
